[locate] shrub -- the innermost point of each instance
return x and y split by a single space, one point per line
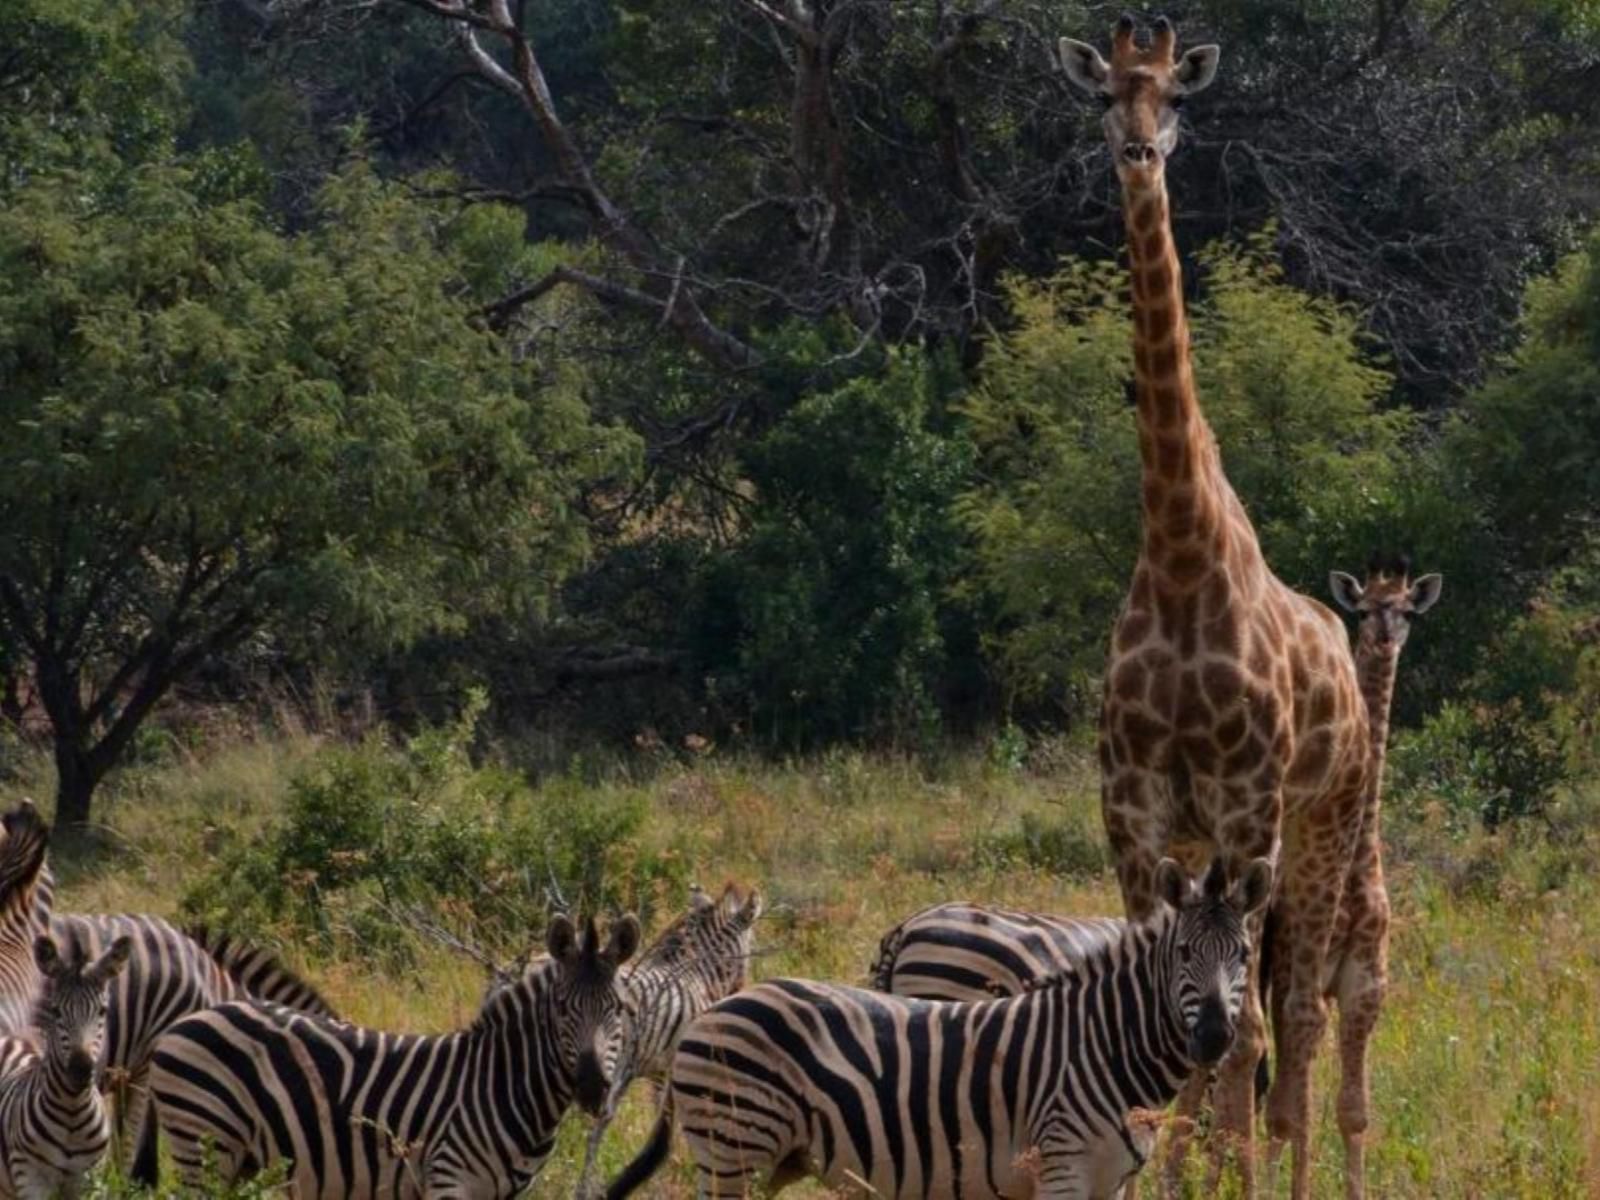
376 829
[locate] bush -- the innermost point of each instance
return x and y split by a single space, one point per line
377 829
828 619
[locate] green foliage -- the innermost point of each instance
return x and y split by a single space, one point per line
88 82
1528 442
1283 378
374 830
826 619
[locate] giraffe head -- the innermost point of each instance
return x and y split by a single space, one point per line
1142 88
1387 602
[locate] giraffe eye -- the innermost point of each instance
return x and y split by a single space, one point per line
1106 101
1178 101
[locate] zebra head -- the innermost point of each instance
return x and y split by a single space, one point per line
1208 947
717 936
589 1005
71 1014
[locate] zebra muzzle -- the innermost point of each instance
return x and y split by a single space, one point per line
1211 1034
591 1087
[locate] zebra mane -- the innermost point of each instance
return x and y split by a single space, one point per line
1109 954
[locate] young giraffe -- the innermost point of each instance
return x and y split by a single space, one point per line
1359 950
1232 717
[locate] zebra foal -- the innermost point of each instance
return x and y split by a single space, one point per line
169 974
53 1122
1023 1096
356 1112
699 959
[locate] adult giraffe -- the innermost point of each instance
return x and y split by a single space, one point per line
1232 717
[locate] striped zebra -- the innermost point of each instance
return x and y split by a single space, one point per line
357 1112
258 971
1027 1095
53 1124
169 975
699 959
965 951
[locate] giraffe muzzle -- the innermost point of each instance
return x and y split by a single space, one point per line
1140 154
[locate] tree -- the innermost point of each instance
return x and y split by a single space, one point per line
1284 380
215 428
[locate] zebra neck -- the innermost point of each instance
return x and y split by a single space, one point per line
514 1058
1150 1035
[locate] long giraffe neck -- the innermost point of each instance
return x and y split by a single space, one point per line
1376 666
1186 497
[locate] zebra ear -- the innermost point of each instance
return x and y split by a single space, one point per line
1255 889
698 900
46 955
754 906
1172 884
624 940
109 965
561 938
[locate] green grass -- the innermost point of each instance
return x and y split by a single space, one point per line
1485 1077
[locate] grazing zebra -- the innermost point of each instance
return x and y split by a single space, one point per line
169 975
1028 1095
358 1112
53 1125
699 959
962 951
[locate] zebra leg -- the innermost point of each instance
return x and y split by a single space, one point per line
140 1125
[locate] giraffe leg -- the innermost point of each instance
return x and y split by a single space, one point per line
1313 855
1133 801
1185 1117
1362 983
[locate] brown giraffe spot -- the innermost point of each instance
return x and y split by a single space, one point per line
1222 682
1145 217
1163 691
1232 729
1144 734
1163 359
1170 453
1312 762
1128 679
1157 279
1141 360
1167 405
1132 630
1184 567
1180 514
1201 754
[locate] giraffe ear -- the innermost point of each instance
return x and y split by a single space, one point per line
1197 68
1346 589
1425 593
1084 66
1172 884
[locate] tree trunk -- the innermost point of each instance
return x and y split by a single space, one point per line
76 779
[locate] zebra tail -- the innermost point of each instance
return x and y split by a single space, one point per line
882 970
648 1161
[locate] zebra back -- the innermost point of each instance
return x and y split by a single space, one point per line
362 1112
966 951
259 972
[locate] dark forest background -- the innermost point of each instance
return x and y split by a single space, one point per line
754 372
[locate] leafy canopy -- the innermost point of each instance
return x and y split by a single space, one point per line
1283 378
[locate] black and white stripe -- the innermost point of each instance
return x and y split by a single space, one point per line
259 972
699 959
53 1123
358 1112
169 975
1028 1095
965 951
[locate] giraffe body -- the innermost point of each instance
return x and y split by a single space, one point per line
1357 975
1232 719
